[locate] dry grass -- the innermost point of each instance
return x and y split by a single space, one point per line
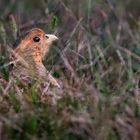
97 60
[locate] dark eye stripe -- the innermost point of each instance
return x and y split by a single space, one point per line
36 39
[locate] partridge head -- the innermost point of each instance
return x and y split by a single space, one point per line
35 44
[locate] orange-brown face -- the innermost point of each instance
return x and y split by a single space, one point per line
35 45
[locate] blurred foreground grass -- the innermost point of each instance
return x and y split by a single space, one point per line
97 59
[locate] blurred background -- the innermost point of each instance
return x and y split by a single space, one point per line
97 60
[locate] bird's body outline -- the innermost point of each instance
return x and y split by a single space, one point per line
28 56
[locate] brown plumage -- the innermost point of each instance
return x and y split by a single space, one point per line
28 56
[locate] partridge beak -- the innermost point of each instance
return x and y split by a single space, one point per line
51 37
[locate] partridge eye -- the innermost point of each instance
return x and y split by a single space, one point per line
36 39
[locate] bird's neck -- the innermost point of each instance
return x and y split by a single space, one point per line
30 54
31 65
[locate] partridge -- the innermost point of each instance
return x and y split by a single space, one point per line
28 56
